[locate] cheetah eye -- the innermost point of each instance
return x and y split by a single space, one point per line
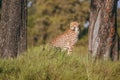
72 28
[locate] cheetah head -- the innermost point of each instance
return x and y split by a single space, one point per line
74 26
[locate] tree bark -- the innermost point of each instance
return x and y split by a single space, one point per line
103 37
12 28
22 44
3 24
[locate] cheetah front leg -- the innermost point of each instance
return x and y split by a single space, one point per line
69 50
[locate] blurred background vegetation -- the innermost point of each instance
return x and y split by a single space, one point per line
48 18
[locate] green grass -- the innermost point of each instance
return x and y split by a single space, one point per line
45 63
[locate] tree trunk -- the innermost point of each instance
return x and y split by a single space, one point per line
12 28
22 46
103 37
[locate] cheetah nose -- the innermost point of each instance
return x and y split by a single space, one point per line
77 29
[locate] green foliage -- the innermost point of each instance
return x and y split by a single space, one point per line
46 63
48 18
118 21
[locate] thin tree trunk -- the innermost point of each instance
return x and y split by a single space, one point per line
103 37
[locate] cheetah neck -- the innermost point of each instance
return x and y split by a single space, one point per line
77 32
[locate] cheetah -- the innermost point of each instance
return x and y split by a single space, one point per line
68 39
